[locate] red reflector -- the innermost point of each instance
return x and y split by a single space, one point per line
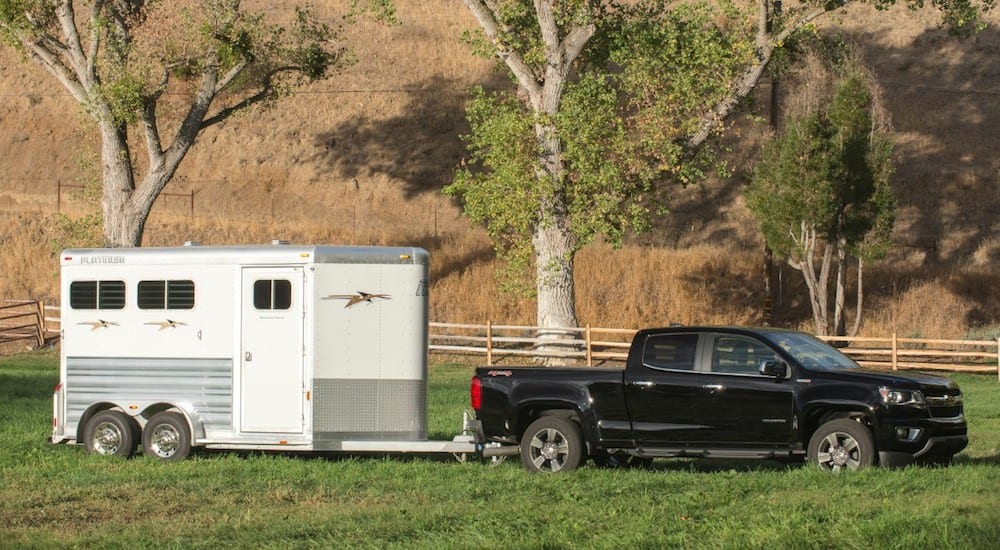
58 387
476 393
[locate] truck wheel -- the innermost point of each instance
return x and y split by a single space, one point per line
167 436
551 444
842 444
111 433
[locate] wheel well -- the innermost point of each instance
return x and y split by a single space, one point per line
195 424
530 414
81 426
816 418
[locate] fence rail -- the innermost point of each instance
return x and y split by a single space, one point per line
602 346
33 320
22 320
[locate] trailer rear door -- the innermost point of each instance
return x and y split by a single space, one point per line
272 350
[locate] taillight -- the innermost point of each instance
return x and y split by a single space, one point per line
476 393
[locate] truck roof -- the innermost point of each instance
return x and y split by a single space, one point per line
278 253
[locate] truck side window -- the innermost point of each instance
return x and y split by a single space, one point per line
97 295
670 351
272 294
166 295
739 355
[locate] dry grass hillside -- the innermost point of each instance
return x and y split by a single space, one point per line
361 157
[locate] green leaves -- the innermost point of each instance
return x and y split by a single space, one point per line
639 89
830 171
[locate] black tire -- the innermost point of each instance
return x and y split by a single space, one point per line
842 444
621 460
551 444
111 433
167 436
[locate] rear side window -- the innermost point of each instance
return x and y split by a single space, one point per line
670 351
97 294
166 294
272 294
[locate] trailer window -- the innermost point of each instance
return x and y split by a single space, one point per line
97 294
166 294
272 294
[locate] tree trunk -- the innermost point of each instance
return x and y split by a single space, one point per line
554 253
861 293
840 299
123 226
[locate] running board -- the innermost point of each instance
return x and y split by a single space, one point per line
713 453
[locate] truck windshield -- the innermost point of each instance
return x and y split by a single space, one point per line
811 352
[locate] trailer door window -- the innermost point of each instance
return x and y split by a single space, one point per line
166 294
272 294
97 294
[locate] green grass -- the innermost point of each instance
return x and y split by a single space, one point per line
59 495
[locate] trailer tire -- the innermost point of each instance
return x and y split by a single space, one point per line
111 433
167 436
551 444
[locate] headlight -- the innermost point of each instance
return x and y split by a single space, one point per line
902 397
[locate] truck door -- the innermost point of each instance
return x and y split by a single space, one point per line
272 350
665 394
745 408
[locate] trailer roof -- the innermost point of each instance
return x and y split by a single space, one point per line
247 255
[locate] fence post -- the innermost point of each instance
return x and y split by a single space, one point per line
895 354
41 323
489 343
590 349
998 357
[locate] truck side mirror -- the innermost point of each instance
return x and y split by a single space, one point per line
774 368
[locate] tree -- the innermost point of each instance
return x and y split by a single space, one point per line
822 193
165 69
613 100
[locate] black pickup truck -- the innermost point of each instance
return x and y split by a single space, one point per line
725 392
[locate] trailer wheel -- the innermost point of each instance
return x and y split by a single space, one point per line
111 433
842 444
167 436
551 444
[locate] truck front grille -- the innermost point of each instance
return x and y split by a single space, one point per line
944 404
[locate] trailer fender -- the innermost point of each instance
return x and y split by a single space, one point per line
194 420
90 412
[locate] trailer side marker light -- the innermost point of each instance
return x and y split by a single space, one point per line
133 407
283 442
304 255
404 256
308 395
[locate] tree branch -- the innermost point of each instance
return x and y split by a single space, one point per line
485 15
764 44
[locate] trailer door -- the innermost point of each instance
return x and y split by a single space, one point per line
271 358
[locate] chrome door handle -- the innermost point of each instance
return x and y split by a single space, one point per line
714 387
643 384
248 356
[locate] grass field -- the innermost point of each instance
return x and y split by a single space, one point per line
60 496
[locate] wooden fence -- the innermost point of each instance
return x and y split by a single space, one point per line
601 346
25 320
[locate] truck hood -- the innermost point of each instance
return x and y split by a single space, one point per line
907 380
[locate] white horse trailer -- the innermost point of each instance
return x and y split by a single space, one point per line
311 348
